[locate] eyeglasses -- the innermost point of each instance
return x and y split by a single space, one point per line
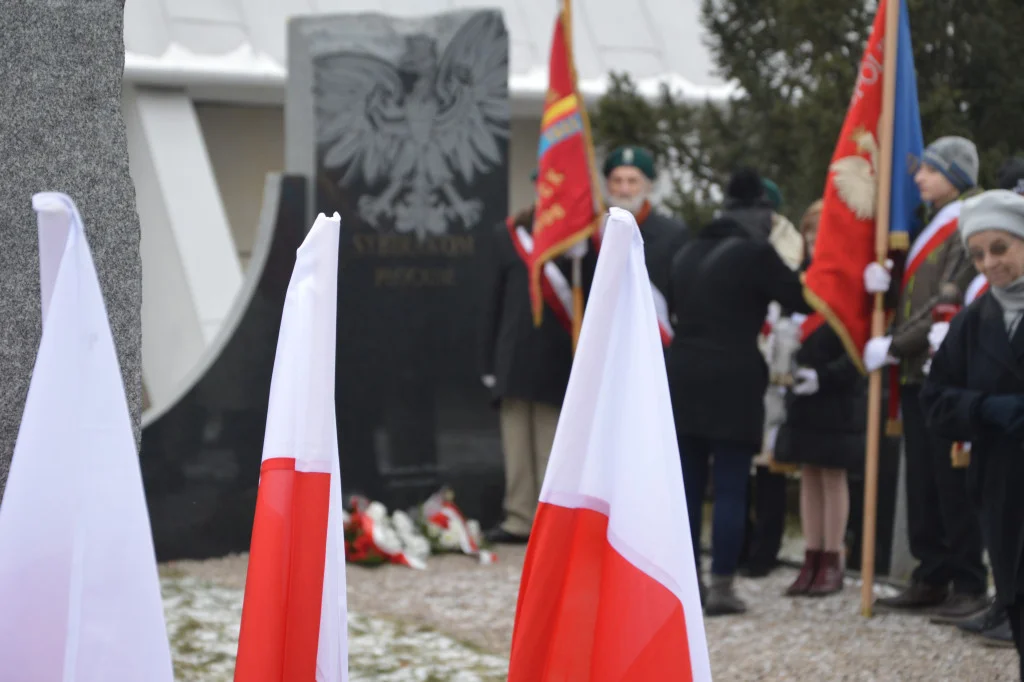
997 248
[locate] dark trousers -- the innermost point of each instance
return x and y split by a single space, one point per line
1016 613
729 466
945 534
765 533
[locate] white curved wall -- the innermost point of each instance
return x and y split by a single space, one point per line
190 268
244 143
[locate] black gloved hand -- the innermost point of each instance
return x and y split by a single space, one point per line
1004 413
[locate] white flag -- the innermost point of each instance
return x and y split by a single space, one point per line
79 591
609 586
294 616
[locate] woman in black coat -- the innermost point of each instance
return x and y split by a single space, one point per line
824 433
720 286
975 388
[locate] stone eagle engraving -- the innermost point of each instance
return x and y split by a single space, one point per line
855 177
418 128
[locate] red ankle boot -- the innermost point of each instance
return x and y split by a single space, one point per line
829 579
808 572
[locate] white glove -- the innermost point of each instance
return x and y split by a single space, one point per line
936 334
806 381
926 368
876 353
488 380
877 277
578 250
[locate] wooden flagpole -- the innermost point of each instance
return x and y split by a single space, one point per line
885 141
577 262
577 301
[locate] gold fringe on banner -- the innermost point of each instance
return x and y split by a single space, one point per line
899 241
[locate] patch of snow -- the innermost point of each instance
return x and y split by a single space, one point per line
177 63
179 66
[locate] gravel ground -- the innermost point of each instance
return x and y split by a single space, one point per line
202 622
454 621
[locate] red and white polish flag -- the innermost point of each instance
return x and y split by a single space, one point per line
294 614
609 588
79 590
977 287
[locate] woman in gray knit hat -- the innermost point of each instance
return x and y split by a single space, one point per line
975 389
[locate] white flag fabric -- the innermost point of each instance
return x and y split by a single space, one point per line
79 590
294 616
609 587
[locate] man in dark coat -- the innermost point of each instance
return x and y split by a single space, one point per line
720 288
753 202
629 175
527 369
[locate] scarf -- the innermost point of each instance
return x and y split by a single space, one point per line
1011 299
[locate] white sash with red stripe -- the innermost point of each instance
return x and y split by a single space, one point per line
555 287
661 310
931 238
977 287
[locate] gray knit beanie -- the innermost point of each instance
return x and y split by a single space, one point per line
996 209
956 158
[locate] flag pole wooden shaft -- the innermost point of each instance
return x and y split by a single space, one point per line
885 140
577 301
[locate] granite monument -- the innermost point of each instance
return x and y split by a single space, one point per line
61 129
404 125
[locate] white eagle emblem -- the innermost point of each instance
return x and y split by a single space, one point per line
855 176
412 133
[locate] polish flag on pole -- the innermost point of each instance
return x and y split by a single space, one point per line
79 590
294 614
609 588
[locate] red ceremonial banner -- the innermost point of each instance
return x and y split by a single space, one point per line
568 201
846 232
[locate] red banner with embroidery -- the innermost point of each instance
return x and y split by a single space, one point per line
846 232
568 202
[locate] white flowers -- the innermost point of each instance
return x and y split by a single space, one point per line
372 536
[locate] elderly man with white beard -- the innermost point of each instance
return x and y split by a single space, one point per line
629 175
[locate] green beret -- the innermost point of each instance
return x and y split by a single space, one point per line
630 156
773 193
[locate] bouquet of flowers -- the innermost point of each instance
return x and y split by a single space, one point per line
374 537
448 530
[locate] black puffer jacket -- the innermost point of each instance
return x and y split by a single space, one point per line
720 286
826 429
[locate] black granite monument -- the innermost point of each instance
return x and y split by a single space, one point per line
201 456
411 121
405 125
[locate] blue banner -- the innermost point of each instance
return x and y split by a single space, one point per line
908 143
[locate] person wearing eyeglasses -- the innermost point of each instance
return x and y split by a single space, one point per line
974 391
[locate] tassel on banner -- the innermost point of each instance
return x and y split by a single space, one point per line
960 456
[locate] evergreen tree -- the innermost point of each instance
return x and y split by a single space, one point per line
795 63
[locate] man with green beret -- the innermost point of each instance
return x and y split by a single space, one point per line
629 176
772 193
